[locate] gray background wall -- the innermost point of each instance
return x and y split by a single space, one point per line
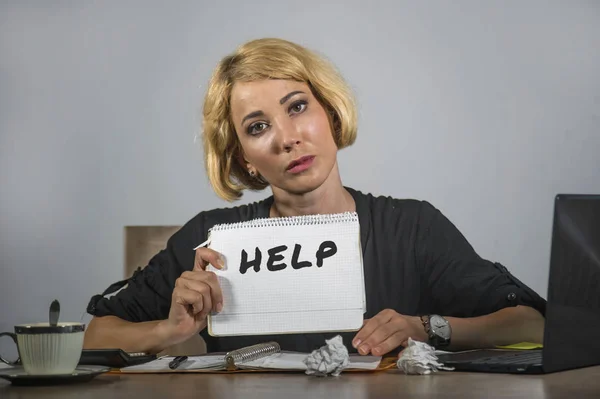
486 109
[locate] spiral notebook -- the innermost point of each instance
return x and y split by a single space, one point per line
261 357
296 274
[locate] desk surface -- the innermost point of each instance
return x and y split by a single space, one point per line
583 383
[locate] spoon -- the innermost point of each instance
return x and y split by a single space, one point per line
54 313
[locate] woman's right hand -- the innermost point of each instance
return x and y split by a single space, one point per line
196 294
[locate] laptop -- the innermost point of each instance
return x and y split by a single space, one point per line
572 326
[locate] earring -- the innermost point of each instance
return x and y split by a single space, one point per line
252 173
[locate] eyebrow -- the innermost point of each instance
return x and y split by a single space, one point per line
282 101
252 115
289 95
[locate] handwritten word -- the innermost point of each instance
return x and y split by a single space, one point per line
326 250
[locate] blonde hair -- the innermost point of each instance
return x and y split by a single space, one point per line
258 60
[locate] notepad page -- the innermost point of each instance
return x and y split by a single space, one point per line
290 300
214 362
295 361
364 362
284 322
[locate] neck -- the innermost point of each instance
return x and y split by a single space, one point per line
329 197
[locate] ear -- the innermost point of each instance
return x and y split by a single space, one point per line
243 162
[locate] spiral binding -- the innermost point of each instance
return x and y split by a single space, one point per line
250 353
303 220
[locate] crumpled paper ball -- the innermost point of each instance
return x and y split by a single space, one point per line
330 359
419 358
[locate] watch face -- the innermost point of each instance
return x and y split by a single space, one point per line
440 326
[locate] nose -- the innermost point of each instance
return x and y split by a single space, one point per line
288 135
288 146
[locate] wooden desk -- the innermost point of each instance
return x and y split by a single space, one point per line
576 384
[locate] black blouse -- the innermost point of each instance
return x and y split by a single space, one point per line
416 262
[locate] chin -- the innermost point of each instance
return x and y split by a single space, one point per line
303 184
306 182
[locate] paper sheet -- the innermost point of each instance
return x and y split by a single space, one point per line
215 362
307 277
295 361
522 346
419 358
278 361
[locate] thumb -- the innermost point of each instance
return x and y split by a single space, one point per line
204 256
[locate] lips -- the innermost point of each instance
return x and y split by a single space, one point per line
300 164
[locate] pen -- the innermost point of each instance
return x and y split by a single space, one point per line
176 362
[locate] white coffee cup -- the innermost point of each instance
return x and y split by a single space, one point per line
48 350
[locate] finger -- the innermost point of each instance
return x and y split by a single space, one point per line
188 299
204 256
390 343
381 334
203 289
371 325
209 278
358 338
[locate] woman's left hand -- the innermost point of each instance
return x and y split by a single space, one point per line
386 331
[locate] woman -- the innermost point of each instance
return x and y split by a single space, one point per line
275 115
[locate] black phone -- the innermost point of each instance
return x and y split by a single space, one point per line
114 358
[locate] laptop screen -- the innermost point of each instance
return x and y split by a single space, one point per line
572 332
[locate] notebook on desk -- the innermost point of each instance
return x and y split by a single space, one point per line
262 357
572 324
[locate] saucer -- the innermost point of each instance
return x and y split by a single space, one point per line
18 376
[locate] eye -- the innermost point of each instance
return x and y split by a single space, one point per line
256 128
298 107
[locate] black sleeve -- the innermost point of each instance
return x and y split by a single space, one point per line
457 281
147 295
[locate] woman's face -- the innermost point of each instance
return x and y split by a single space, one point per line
285 133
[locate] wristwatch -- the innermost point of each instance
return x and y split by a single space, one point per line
438 330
